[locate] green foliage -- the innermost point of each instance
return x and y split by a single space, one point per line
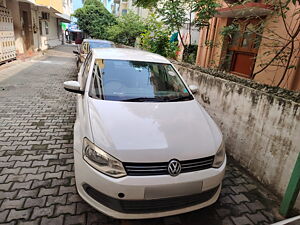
173 13
190 54
156 38
205 9
127 29
146 3
229 30
93 18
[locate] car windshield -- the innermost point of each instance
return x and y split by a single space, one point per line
120 80
100 45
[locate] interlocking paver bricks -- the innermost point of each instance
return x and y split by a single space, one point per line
23 163
3 215
41 183
48 191
5 186
53 175
37 184
27 193
65 209
19 214
241 220
59 182
57 199
257 218
13 204
40 212
21 185
255 206
31 170
46 169
240 198
75 220
30 222
53 220
31 202
70 189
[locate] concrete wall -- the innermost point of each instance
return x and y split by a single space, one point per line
261 130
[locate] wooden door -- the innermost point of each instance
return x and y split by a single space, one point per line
243 48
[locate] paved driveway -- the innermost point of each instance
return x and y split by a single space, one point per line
37 183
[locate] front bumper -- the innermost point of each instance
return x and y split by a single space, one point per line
103 192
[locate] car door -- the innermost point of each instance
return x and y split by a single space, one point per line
82 126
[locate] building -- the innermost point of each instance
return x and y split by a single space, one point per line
37 23
247 50
122 7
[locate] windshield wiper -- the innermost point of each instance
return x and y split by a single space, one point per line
142 99
181 98
159 99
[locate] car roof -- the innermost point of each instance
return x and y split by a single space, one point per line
97 40
128 54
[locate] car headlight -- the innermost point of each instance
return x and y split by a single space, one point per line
220 156
102 161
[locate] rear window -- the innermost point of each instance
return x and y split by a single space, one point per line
101 45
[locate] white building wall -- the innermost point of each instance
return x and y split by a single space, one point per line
50 39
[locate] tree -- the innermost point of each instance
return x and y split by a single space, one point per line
177 13
155 38
127 29
93 18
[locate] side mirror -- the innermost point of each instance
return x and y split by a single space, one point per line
73 86
193 88
76 52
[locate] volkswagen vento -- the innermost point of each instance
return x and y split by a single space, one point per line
143 146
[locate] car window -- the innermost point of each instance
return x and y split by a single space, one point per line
96 83
121 80
86 69
85 48
101 45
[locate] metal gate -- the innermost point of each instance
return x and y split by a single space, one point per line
7 38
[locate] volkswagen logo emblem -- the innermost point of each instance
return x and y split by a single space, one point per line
174 167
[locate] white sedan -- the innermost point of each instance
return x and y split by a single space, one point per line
143 146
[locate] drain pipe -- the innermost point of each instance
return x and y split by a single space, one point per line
292 190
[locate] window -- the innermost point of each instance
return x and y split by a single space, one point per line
85 73
124 11
46 27
243 47
94 44
85 48
96 87
122 80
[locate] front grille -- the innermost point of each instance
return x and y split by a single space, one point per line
148 169
149 206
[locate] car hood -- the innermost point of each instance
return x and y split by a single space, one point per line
153 131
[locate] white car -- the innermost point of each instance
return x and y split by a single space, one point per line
143 146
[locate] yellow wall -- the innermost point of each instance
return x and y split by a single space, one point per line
56 4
